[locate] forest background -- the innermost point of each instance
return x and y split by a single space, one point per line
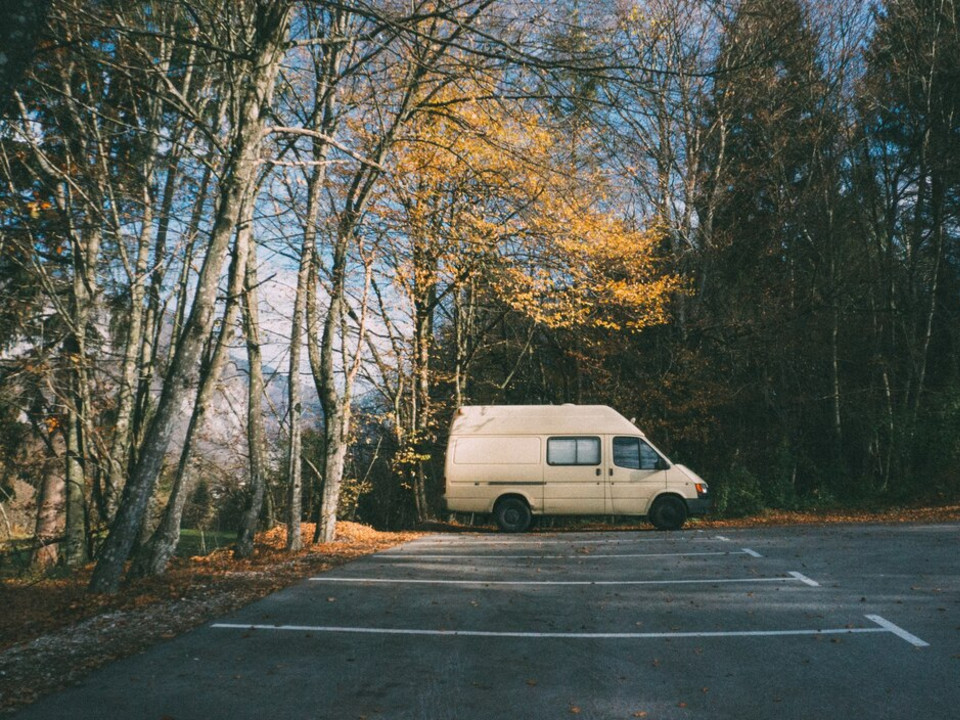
254 254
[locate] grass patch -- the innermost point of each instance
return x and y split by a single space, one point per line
15 557
197 543
15 554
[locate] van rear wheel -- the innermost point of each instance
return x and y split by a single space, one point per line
512 515
668 513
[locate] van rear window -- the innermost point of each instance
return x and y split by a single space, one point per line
573 451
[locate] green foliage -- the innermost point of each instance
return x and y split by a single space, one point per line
199 506
738 493
201 541
351 492
779 490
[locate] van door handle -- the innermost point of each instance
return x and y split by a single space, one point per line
598 472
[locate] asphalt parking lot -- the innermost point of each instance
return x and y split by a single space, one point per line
858 621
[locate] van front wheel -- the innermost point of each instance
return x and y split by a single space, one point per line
668 513
512 515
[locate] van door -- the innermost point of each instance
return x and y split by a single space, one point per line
633 474
574 476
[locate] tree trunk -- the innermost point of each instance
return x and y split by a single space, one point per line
295 405
937 205
267 50
424 303
336 405
334 408
155 555
50 509
336 453
154 314
75 531
120 451
129 370
255 429
305 303
85 253
305 310
294 399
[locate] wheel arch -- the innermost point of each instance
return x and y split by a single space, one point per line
667 493
513 494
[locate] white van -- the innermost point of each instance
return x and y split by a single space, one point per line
516 461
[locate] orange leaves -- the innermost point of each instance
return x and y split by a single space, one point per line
945 513
482 192
37 207
592 270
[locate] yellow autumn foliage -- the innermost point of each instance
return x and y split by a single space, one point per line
481 192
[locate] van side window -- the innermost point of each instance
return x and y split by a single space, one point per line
573 451
634 453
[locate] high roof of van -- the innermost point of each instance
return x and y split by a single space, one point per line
540 420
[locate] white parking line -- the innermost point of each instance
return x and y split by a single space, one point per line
898 631
885 627
424 581
752 553
804 579
470 542
387 557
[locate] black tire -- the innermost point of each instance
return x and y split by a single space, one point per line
669 512
512 515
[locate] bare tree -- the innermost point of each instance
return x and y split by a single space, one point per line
269 23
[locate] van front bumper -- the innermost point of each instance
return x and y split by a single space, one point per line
700 506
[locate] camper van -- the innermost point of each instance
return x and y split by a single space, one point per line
517 461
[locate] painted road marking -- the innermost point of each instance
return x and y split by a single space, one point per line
804 579
884 627
424 581
898 631
752 553
386 557
469 542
